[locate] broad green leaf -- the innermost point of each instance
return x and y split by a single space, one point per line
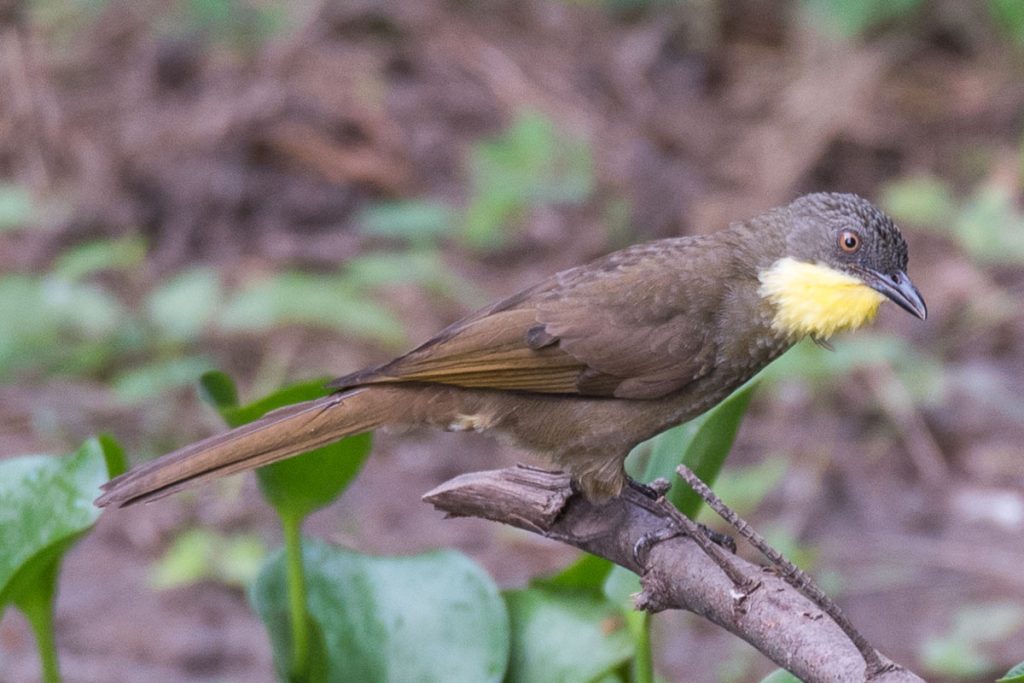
564 636
430 617
182 306
300 485
780 676
1014 675
47 506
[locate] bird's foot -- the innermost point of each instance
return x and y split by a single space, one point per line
655 490
651 497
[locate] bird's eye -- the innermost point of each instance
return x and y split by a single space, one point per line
849 241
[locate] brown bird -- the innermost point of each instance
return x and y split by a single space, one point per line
593 360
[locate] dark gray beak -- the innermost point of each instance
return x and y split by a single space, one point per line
899 289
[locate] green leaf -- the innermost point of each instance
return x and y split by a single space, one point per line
113 455
98 256
435 616
587 574
182 306
47 506
236 416
780 676
300 485
564 636
1014 675
620 585
218 389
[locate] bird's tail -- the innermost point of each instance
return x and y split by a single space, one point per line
278 435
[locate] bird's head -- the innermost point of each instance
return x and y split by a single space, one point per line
843 258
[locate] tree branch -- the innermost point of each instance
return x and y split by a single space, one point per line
773 616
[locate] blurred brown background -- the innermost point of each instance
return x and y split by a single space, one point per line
291 190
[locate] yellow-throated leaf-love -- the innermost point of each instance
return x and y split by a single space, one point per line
588 363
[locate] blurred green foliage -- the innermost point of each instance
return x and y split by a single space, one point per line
1010 15
987 224
206 555
853 17
528 165
84 315
240 24
421 222
960 652
922 374
16 206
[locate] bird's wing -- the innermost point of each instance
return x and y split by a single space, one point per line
636 324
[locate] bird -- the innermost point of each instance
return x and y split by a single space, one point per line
593 360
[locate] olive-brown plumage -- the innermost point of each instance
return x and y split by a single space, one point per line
588 363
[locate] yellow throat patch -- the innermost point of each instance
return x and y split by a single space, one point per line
814 299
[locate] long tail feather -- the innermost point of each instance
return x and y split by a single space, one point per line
278 435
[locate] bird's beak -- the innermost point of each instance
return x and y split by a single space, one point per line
899 289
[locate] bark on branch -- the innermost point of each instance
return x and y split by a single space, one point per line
773 617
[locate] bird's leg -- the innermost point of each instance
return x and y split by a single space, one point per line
792 574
